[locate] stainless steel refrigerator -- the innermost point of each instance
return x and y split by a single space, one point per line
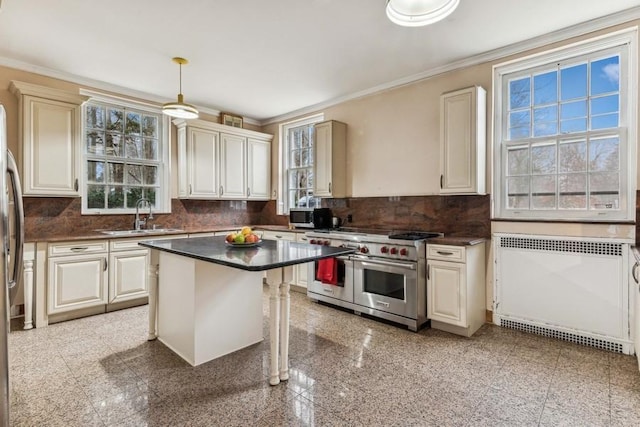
10 256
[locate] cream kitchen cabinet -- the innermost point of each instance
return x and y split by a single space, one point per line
77 276
50 132
302 270
128 270
330 159
221 162
456 288
463 141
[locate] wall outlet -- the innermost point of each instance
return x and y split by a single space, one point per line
349 218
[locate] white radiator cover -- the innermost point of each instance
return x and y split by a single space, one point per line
575 289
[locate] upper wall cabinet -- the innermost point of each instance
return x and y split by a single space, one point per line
222 162
330 159
50 139
463 141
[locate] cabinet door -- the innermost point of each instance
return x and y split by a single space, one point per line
303 269
202 155
51 154
462 146
233 166
322 160
258 169
128 277
77 282
447 292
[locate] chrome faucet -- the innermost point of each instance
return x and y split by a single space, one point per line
139 223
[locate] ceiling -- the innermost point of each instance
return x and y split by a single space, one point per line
265 59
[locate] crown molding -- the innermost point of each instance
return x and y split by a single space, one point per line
116 90
580 29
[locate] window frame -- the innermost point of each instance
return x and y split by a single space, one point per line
623 42
163 194
283 172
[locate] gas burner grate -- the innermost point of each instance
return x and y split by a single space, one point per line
414 235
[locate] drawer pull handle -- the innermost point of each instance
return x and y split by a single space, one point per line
79 248
444 253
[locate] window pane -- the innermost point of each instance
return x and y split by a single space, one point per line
545 121
150 147
518 160
95 171
545 88
116 173
94 117
133 195
520 93
572 110
572 156
573 82
606 121
114 144
605 104
133 174
573 191
150 194
293 179
605 75
150 126
604 154
132 124
518 193
150 175
304 157
519 124
95 143
573 125
115 198
95 197
295 159
604 189
115 120
543 192
133 147
543 158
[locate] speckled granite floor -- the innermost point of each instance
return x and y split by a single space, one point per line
346 371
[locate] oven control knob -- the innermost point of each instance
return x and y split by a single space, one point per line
326 243
312 241
364 250
384 249
393 251
404 251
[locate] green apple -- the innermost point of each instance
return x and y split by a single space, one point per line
239 238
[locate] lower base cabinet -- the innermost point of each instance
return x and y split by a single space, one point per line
128 271
77 276
456 288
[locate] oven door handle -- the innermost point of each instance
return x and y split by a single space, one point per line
388 263
343 258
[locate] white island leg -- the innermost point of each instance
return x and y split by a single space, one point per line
274 330
285 303
153 301
28 293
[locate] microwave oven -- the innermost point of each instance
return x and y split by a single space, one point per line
317 218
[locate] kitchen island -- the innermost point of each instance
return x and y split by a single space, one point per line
207 301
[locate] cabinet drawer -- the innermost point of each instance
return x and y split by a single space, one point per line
446 253
77 248
124 244
278 235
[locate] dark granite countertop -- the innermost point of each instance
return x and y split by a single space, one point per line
99 235
267 255
456 241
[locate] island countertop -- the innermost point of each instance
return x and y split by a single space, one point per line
267 255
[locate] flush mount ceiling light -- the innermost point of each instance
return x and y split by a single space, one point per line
180 109
416 13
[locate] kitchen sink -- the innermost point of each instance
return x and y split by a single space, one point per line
132 232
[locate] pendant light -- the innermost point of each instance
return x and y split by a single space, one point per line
180 109
416 13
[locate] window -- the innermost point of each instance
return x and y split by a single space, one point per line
564 134
298 159
125 155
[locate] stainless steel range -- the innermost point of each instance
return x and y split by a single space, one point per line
386 277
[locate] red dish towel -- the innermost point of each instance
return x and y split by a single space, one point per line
328 271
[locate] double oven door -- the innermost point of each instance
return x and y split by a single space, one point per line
343 289
391 286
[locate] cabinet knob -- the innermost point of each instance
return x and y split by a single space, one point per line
248 191
75 185
329 187
441 181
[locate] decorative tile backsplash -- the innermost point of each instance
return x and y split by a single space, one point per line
452 215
